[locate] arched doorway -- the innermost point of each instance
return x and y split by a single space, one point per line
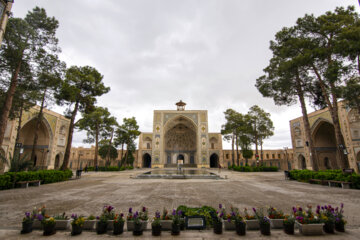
26 137
358 160
146 161
214 160
180 159
302 162
57 161
180 138
325 146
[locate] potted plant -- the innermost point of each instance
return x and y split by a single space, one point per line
49 225
62 221
118 224
143 218
276 218
143 215
89 223
138 229
240 224
251 222
289 223
36 213
156 225
165 220
340 222
229 218
101 224
109 213
77 224
264 222
217 220
27 223
175 227
308 222
327 214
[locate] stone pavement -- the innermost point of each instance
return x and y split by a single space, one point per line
88 195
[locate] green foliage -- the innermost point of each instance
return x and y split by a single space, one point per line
111 168
45 176
336 175
253 169
104 151
206 211
17 163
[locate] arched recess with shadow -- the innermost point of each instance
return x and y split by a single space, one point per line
146 160
214 160
302 162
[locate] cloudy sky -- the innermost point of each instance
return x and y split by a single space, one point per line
153 53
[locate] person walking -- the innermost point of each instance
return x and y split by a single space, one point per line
86 168
219 168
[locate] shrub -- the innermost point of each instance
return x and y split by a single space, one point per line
254 169
45 176
110 168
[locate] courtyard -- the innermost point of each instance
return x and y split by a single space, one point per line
87 196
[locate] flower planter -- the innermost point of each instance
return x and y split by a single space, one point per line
26 227
49 229
110 225
277 223
339 226
76 230
289 228
166 225
175 229
265 229
240 228
89 224
62 224
229 226
37 225
118 228
329 227
130 225
156 230
137 231
310 229
218 227
101 227
252 224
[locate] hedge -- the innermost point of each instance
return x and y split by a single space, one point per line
253 169
45 176
110 168
336 175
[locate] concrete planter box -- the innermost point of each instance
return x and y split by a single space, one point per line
166 224
110 225
62 224
37 225
252 224
277 223
130 225
89 224
229 226
310 229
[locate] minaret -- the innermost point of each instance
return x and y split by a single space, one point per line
180 106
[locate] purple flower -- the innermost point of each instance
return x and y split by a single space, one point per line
73 216
174 212
97 217
254 209
136 214
233 214
157 214
300 209
229 219
130 210
342 205
336 209
318 211
337 219
180 213
109 208
220 206
221 214
27 214
318 207
121 215
294 209
40 217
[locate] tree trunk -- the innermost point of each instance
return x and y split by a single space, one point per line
122 152
237 150
261 152
306 124
256 141
16 149
96 145
8 102
37 127
333 108
69 139
108 151
232 149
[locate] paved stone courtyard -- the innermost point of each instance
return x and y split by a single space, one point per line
87 196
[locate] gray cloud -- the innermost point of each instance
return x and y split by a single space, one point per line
153 53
